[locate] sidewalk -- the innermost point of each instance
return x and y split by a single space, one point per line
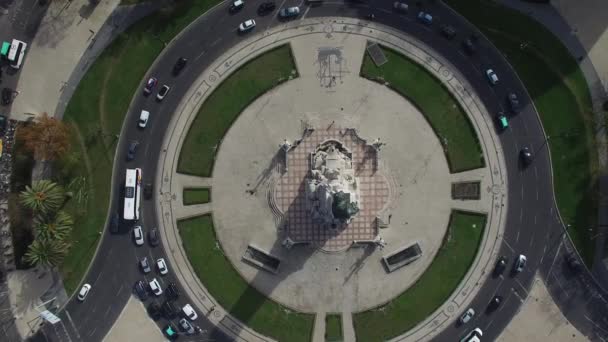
63 36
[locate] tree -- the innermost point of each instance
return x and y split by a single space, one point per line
43 196
46 253
47 138
54 227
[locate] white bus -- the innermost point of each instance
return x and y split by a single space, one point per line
16 53
132 194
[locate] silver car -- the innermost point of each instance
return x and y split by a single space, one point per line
467 315
247 25
145 266
138 235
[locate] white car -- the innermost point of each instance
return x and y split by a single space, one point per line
143 118
473 336
84 291
162 266
467 315
247 25
138 235
145 266
492 76
162 92
189 312
155 287
520 263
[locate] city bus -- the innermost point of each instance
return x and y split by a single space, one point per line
132 194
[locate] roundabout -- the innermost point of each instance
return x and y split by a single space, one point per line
419 197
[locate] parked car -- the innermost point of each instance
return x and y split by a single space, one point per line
148 190
289 12
425 18
501 265
574 263
502 121
155 287
154 311
448 32
266 7
172 292
189 312
114 223
468 46
7 96
84 291
492 77
143 118
474 336
186 326
145 265
494 303
140 290
138 235
164 90
400 7
526 156
169 310
152 81
131 150
513 103
520 263
3 122
467 316
236 6
247 25
153 237
170 331
162 266
180 64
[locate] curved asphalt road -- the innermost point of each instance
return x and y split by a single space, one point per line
533 227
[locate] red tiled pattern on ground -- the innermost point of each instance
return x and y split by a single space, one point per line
290 195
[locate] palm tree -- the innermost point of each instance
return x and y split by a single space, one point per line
46 253
43 196
54 227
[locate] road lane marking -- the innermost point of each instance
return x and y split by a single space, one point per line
305 13
555 257
508 246
200 55
216 41
107 311
73 325
535 172
92 332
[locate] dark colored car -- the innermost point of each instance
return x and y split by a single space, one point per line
448 32
501 266
180 64
152 81
573 262
266 7
170 311
494 303
154 311
153 237
131 150
140 289
172 292
513 103
526 156
3 122
7 96
468 46
148 190
114 221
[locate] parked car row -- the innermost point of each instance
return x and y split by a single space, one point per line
264 8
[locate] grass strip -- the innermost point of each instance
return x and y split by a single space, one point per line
333 328
432 289
96 112
441 110
561 95
233 292
196 196
223 106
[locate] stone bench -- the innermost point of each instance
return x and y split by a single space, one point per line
402 257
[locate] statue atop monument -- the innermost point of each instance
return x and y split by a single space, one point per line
332 190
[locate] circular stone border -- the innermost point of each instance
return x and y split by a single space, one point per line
257 44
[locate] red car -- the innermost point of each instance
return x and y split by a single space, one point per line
150 85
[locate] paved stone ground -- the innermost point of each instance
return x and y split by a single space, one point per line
334 32
540 320
134 324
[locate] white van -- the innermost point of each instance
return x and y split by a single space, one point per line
16 53
143 118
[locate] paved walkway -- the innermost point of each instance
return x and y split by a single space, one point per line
255 44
